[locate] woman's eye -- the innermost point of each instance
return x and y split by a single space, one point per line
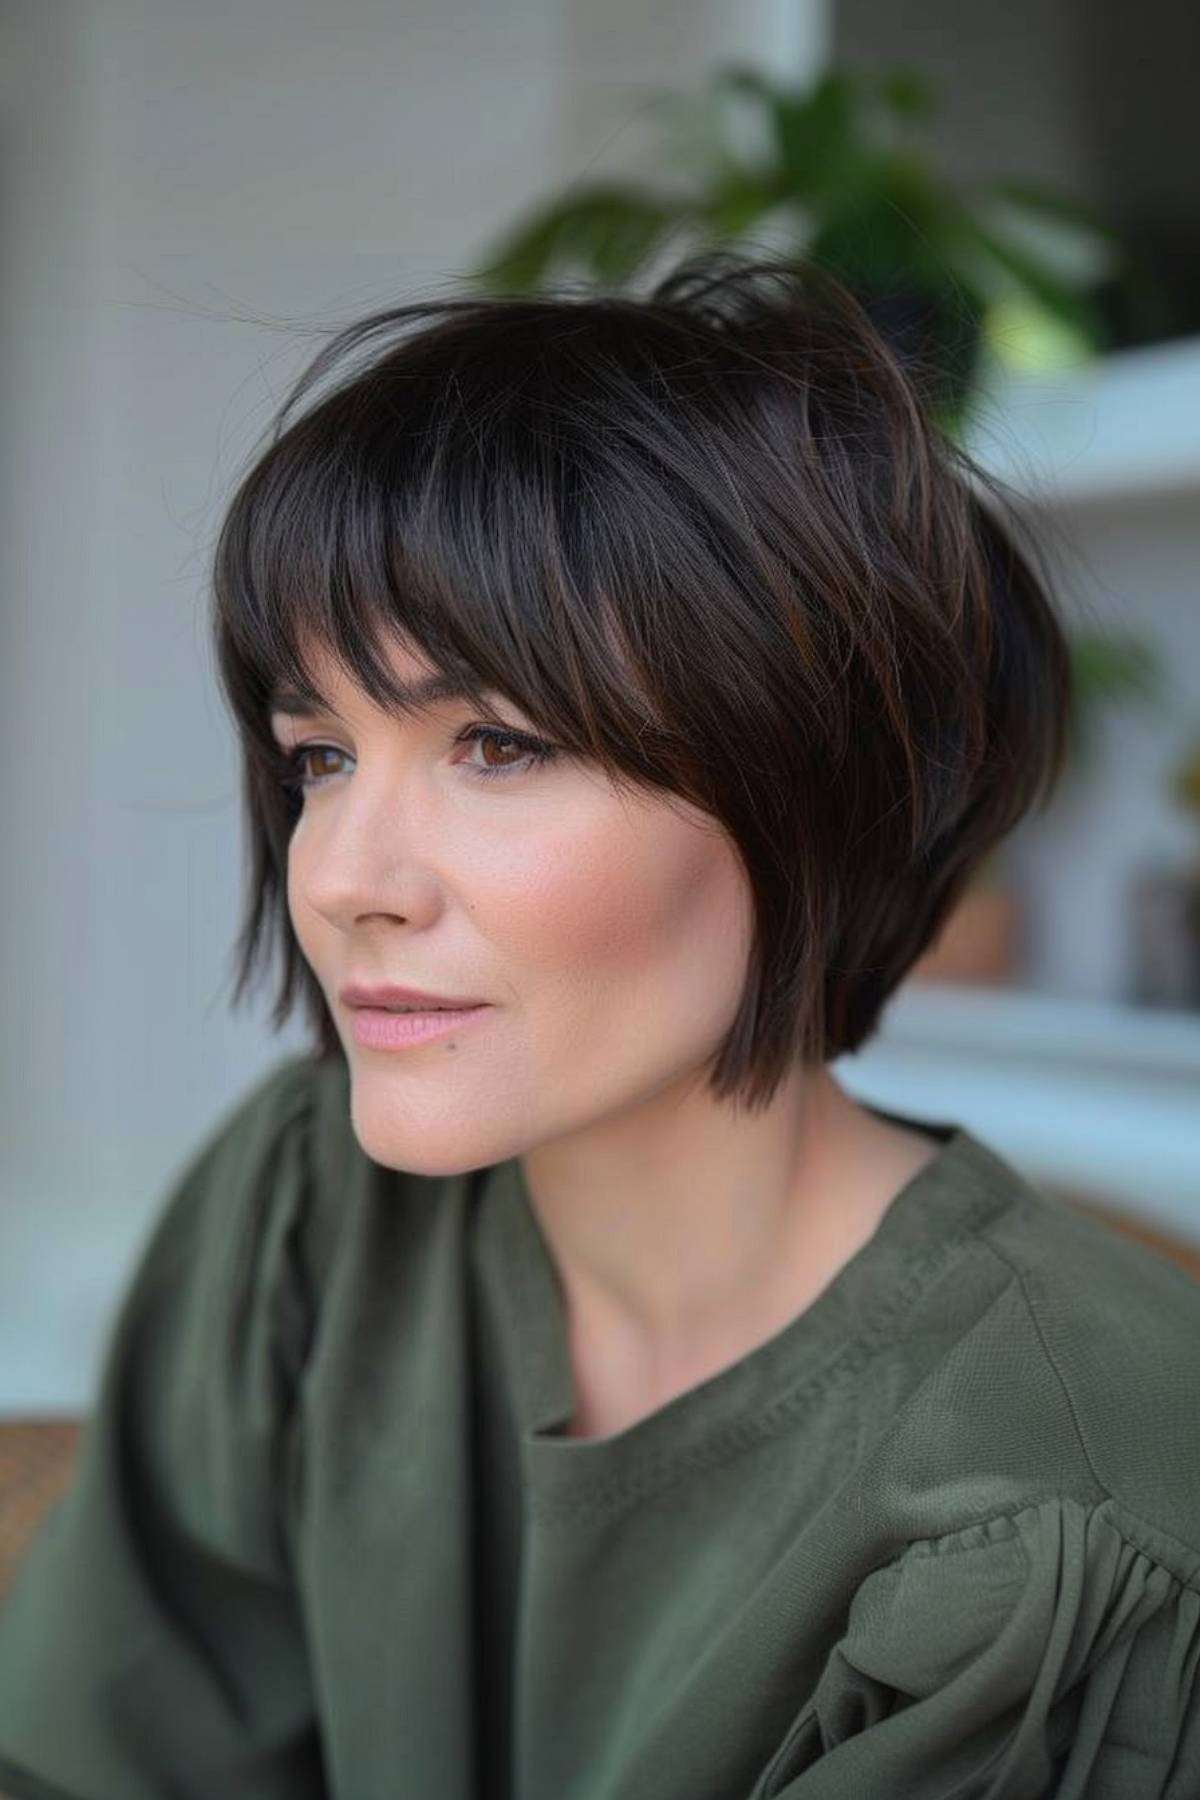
534 753
296 760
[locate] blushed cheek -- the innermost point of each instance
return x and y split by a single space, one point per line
632 925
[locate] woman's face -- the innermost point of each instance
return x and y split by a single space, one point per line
609 933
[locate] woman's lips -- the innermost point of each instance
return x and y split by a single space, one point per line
377 1028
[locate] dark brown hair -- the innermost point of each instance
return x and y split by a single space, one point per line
711 539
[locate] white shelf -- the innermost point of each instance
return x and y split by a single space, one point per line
1091 1034
1095 1097
1122 425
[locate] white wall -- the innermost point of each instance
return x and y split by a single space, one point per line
171 173
1134 569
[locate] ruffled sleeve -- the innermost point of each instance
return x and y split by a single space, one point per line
151 1642
1048 1654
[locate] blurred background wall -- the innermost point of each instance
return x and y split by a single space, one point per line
189 197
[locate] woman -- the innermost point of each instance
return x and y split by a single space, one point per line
578 1393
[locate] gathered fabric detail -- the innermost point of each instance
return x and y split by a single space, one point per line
1050 1650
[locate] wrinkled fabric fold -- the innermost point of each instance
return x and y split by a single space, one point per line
1039 1653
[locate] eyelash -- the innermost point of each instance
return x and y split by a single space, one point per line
537 754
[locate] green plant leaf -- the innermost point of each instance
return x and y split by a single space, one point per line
1184 778
609 230
816 137
734 202
1111 666
900 231
909 93
1066 247
1057 297
1024 337
812 131
1035 197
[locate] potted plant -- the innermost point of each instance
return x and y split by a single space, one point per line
834 172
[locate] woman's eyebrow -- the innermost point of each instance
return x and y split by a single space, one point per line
297 702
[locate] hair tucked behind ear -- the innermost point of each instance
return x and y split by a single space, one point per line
711 539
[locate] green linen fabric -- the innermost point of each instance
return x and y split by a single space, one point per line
937 1539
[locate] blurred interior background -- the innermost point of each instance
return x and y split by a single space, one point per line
191 196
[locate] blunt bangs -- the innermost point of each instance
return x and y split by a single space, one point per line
711 541
442 506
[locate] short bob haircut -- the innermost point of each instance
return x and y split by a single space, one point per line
711 540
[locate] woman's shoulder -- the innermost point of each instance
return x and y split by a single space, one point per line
1025 1614
1116 1329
